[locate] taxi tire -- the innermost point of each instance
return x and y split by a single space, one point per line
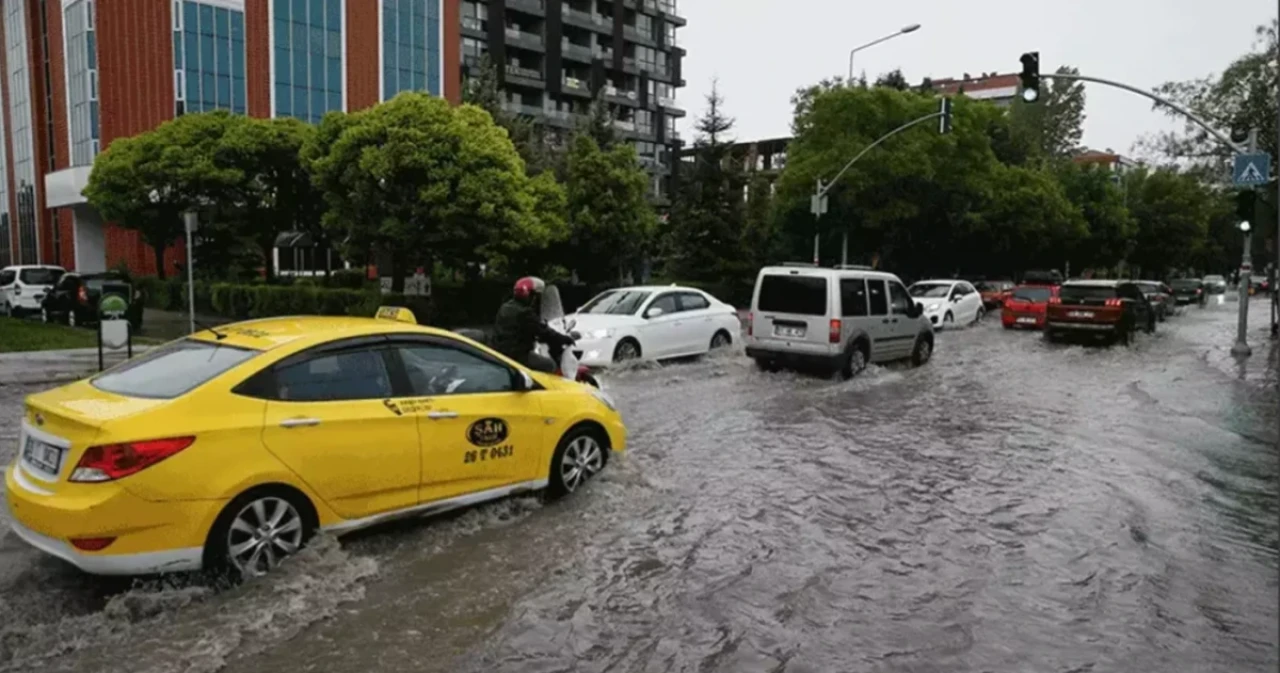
216 560
556 487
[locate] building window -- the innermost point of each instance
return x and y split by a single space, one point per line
22 130
644 25
670 29
475 16
82 78
473 50
410 47
644 122
208 58
308 43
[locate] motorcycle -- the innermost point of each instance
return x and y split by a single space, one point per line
567 365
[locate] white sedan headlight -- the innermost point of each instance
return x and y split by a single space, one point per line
600 334
932 307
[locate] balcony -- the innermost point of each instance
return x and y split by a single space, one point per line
603 53
562 118
576 52
573 85
522 39
522 109
521 75
582 19
535 7
624 125
474 26
621 96
633 34
629 65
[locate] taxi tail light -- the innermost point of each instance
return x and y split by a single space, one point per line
113 461
91 543
751 323
834 335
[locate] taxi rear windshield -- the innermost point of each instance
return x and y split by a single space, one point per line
170 371
798 295
1073 293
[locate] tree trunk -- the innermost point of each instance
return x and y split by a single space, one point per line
268 268
397 273
158 251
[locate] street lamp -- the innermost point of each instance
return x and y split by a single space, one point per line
901 31
1241 346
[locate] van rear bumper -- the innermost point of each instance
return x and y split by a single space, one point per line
796 359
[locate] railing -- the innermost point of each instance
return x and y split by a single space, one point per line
636 34
521 108
603 53
579 50
473 23
522 36
668 102
624 124
527 73
530 5
586 17
574 83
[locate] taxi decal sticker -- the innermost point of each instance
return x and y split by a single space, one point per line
408 406
487 432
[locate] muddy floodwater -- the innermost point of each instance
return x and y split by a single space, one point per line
1011 506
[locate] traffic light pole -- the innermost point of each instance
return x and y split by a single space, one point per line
820 194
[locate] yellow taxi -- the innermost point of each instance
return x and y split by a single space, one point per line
228 449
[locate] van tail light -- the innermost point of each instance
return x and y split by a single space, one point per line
1113 303
751 323
91 543
834 335
83 295
114 461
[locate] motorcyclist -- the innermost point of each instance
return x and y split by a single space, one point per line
519 326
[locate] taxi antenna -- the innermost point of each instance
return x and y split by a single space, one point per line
216 334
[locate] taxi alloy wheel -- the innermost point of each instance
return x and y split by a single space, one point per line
263 533
580 457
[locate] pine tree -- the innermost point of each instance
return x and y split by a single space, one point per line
598 123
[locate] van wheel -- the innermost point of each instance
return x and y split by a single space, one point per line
922 352
855 361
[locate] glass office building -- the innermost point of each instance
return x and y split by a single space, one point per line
307 37
208 58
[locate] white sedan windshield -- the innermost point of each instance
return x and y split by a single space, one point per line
616 302
930 289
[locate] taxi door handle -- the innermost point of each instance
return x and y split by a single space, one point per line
437 415
299 422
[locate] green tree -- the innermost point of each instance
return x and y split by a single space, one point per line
1054 124
610 219
598 123
417 180
1172 211
274 193
1100 198
146 182
760 241
893 79
706 222
1243 97
539 146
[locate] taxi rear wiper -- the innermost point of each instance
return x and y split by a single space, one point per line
216 334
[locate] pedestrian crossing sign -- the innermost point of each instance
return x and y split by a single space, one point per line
1251 169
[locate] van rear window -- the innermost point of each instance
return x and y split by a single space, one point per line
800 295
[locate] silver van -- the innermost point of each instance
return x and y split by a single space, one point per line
836 320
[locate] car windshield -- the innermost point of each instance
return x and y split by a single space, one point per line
172 370
1185 284
1072 293
1150 288
1032 294
929 289
798 295
616 302
40 276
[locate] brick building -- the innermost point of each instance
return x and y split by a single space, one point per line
994 87
78 74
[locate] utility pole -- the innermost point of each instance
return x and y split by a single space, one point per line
1241 346
818 206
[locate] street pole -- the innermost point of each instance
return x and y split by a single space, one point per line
191 221
1241 346
901 31
818 206
1275 277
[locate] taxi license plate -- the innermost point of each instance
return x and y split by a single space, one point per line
44 456
1026 321
788 332
1080 314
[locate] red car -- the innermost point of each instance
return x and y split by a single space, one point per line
1027 306
994 292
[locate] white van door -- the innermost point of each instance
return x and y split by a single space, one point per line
792 311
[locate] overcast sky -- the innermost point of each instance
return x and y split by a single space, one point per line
761 50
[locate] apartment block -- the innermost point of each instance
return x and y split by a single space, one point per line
79 74
555 56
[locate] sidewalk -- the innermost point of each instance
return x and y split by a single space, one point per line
53 367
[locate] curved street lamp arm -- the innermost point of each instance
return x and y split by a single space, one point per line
826 188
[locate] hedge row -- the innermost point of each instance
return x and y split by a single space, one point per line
470 304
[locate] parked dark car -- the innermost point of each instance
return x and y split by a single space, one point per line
1160 296
74 300
1188 291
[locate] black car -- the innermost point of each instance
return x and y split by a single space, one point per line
74 300
1188 291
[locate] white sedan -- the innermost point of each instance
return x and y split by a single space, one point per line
654 322
947 302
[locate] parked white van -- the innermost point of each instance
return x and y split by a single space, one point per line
23 287
834 319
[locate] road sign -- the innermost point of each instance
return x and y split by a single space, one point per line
1251 169
818 204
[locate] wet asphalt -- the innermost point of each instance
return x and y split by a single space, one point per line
1011 506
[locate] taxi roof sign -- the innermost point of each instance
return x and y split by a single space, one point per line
397 313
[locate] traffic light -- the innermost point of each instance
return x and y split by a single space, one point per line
1246 199
1030 76
944 122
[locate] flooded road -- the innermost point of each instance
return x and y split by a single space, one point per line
1011 506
